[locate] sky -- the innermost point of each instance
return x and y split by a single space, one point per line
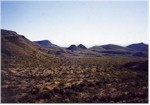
74 22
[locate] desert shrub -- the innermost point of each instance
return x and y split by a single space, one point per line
49 78
76 88
83 87
69 92
61 85
58 90
98 84
34 91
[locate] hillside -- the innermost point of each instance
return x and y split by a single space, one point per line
16 49
139 47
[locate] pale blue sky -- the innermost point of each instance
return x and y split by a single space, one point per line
86 22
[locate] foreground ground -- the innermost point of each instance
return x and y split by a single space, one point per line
77 80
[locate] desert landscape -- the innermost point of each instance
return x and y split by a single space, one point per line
74 51
42 72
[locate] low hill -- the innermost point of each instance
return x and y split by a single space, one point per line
46 43
111 49
139 47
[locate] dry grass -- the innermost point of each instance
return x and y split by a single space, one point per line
74 79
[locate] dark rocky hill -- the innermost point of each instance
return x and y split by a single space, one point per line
72 47
81 46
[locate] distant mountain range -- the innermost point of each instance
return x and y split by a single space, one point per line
19 46
119 50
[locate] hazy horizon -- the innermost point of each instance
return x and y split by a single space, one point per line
89 23
87 45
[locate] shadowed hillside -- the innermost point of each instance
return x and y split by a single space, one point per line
16 49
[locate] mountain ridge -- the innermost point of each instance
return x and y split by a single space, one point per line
46 47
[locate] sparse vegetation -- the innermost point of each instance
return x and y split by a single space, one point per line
75 79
